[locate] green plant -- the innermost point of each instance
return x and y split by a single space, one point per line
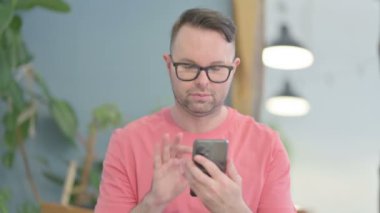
103 117
85 190
28 207
4 198
23 90
25 207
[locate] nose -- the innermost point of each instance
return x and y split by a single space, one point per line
202 81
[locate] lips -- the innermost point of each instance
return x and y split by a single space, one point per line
200 97
200 94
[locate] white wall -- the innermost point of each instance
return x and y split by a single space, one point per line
336 148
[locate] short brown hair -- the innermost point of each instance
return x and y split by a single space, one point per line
205 19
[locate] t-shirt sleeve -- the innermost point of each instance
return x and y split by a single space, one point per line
115 191
276 197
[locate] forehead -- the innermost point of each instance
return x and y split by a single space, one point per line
202 45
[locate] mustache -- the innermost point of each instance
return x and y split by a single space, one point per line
196 90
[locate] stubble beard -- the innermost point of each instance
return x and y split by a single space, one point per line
198 108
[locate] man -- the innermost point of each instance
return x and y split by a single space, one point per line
148 166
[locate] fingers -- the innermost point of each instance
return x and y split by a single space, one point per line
166 148
195 173
157 156
182 150
171 148
219 188
214 170
232 172
196 178
177 140
210 166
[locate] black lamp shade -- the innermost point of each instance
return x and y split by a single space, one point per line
288 103
286 53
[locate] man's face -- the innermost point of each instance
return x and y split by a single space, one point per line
202 47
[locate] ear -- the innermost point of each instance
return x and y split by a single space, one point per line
168 61
236 64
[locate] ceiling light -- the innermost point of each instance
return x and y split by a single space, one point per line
286 53
287 103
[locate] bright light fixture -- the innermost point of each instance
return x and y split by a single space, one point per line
287 57
286 53
288 103
288 106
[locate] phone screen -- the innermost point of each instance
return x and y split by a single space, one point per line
214 150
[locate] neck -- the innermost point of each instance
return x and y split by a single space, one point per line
198 124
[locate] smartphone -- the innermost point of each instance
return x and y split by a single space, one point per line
214 150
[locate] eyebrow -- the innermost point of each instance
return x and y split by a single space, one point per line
186 60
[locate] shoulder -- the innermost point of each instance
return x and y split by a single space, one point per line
265 141
254 135
146 122
141 127
249 124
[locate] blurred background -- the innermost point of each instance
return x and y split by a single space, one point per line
111 52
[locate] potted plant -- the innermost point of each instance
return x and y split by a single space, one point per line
23 90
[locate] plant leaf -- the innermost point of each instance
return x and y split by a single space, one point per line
16 95
23 56
21 53
16 131
10 120
29 112
106 116
23 130
54 178
4 198
8 158
41 83
4 194
17 51
10 139
42 160
65 118
96 173
16 23
5 72
6 14
54 5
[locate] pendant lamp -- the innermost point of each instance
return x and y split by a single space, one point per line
288 103
285 53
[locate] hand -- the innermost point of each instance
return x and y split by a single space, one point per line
220 192
168 177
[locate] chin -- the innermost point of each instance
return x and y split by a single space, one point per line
201 110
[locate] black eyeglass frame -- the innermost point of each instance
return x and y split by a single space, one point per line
200 69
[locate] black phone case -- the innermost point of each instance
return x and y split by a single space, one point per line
214 150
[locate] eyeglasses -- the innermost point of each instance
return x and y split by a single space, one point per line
215 73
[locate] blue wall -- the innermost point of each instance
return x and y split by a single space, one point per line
112 52
102 51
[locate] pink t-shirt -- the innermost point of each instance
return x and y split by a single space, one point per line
256 150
